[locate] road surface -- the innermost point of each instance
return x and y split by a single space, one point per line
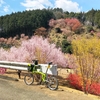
10 89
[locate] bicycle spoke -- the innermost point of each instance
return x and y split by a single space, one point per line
28 79
53 83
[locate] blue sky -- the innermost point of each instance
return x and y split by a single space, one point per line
9 6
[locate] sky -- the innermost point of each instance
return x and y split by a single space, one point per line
12 6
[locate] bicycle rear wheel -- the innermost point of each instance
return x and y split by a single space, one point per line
52 83
29 79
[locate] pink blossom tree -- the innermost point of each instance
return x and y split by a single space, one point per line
36 47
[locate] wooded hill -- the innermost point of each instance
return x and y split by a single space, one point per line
28 21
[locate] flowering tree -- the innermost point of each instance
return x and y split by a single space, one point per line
36 47
87 52
73 23
41 32
52 23
57 23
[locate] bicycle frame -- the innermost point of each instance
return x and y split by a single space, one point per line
41 73
44 75
50 82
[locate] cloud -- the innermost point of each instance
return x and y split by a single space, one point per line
66 5
1 2
6 8
36 4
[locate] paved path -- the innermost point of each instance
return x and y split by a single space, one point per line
13 90
10 89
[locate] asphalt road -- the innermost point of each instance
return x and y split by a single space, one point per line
10 89
17 90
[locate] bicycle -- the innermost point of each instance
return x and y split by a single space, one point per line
49 80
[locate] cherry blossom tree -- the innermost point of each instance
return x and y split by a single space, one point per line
35 48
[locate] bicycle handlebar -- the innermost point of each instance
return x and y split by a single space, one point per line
36 62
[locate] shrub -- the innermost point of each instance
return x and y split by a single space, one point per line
2 70
95 88
75 81
87 52
66 47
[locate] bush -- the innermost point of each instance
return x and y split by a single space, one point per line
90 28
94 88
76 82
87 52
66 47
2 70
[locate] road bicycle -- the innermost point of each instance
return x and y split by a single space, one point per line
50 81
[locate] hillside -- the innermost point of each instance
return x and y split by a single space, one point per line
28 21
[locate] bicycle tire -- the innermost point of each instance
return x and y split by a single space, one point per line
29 79
52 83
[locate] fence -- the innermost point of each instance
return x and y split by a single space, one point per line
24 67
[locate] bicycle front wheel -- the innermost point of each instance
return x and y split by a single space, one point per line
29 79
52 83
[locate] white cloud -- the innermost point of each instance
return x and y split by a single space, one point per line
6 8
1 2
36 4
66 5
